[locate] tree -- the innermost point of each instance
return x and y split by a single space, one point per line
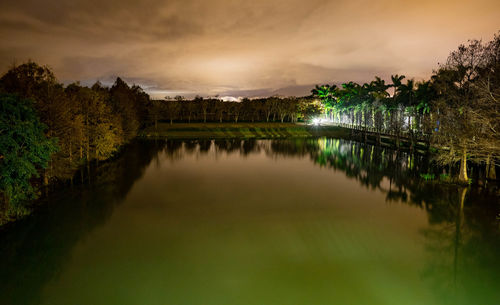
310 110
26 79
190 109
327 94
171 110
393 104
282 109
396 84
142 102
407 99
237 109
269 107
24 148
250 108
425 95
204 104
54 109
154 111
101 130
220 107
461 129
123 101
292 109
488 112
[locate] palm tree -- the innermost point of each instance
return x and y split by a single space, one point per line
326 94
424 94
379 88
378 91
407 98
396 84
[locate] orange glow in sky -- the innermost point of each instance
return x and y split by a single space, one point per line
239 48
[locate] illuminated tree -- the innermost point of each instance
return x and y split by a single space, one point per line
327 94
488 93
461 111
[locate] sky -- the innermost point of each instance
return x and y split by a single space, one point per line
238 48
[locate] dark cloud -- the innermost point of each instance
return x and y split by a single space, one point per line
238 47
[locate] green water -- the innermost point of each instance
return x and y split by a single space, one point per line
316 221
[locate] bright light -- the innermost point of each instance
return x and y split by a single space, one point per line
319 121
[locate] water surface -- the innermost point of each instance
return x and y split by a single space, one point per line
308 221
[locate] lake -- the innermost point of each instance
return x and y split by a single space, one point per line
299 221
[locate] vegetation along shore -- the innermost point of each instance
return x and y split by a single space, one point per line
48 131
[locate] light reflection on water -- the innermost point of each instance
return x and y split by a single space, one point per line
306 221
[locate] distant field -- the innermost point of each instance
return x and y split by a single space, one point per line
237 130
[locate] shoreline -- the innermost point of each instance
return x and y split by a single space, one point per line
244 130
266 130
226 130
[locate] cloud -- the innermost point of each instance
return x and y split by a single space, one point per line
240 48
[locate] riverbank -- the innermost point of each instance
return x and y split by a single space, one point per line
82 175
240 130
265 130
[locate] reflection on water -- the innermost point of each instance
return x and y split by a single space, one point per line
306 221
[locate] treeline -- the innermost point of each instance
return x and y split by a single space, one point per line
49 130
272 109
458 108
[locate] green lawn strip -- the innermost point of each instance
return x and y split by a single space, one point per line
239 130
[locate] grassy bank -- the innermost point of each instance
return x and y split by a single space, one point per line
239 130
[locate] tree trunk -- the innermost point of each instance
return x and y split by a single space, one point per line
490 169
70 154
45 177
88 150
81 146
463 167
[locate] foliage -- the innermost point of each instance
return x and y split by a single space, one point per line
458 109
23 148
444 177
88 124
427 176
272 109
468 104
